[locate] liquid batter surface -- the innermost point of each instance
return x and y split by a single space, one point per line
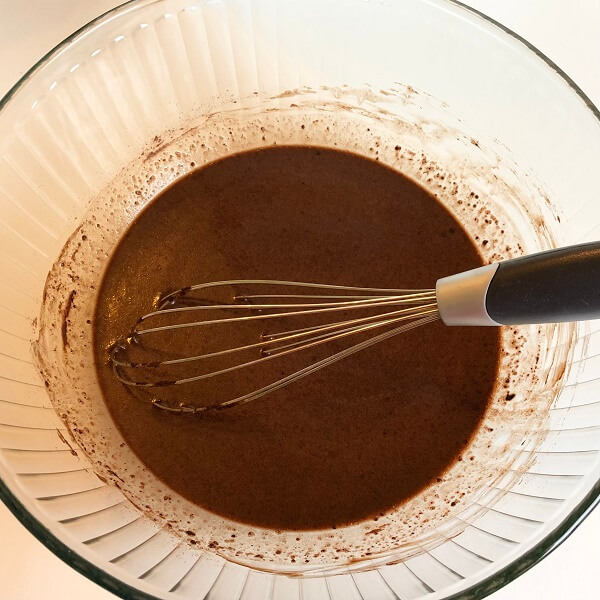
351 441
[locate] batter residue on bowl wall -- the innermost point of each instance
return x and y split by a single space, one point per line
484 193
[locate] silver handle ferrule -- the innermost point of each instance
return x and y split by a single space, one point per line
461 297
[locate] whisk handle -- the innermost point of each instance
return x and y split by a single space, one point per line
548 287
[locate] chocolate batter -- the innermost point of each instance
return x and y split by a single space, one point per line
351 441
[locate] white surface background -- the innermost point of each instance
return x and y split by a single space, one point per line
567 31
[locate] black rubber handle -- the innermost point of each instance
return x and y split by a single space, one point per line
548 287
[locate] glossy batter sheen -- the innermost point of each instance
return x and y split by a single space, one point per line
351 441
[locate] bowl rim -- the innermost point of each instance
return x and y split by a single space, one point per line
483 588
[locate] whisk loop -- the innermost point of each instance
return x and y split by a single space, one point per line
254 302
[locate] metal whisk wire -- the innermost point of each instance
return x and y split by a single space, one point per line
413 307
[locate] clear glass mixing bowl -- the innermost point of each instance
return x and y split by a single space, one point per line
129 85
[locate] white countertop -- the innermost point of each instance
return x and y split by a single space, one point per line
568 32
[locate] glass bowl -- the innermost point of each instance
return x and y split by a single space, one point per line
131 89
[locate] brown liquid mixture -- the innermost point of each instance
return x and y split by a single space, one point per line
351 441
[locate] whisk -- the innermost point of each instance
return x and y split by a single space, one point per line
552 286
